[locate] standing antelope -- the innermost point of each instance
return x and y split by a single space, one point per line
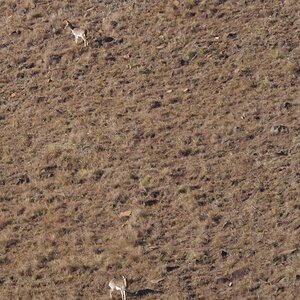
78 33
118 285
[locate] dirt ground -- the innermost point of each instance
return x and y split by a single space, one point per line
168 150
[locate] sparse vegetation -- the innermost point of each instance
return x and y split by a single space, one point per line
166 150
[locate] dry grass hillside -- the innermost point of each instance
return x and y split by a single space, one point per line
168 150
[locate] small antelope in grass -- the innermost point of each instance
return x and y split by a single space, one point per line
78 33
118 285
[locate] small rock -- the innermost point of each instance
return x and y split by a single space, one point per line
155 104
97 175
277 129
182 62
155 194
239 273
47 172
21 211
217 219
227 223
110 57
285 254
185 152
231 35
54 59
254 287
150 202
224 253
222 279
283 153
125 214
286 105
98 251
283 283
20 75
107 39
2 280
155 281
16 32
171 268
22 180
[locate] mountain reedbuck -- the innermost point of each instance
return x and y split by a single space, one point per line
118 285
77 32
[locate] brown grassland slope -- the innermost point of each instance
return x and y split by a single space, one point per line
166 151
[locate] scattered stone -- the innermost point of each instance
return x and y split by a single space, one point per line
222 279
146 71
182 62
185 152
171 268
217 219
110 57
54 59
283 153
2 280
240 273
98 251
134 176
277 129
254 287
100 148
97 175
283 283
224 253
150 202
48 172
16 32
100 41
155 104
191 14
107 39
144 292
231 35
155 194
22 180
227 223
10 243
155 281
21 211
20 75
285 254
125 214
286 105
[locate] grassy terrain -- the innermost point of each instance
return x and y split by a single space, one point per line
167 150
